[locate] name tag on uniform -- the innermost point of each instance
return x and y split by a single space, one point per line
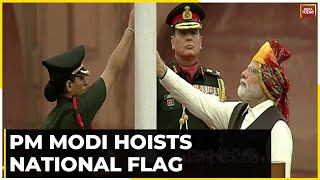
168 98
207 89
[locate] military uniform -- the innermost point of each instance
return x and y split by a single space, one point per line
169 110
170 113
63 116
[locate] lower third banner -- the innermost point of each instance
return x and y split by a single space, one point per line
137 154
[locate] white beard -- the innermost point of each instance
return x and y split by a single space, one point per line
248 94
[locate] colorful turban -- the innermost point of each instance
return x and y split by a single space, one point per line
272 76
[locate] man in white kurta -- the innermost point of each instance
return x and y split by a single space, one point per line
255 81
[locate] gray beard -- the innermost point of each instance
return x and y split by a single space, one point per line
247 94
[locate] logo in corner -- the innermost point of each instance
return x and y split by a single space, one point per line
308 10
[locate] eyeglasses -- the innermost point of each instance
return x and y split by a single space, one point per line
252 70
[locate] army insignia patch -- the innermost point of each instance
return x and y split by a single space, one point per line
170 102
187 14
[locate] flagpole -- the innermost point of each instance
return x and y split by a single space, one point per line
145 66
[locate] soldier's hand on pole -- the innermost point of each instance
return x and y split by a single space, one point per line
131 20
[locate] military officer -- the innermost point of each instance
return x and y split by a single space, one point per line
186 40
76 107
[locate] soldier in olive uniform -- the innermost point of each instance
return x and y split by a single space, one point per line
186 40
76 107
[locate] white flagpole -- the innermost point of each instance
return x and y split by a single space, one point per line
145 66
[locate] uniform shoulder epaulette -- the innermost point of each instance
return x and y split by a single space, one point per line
171 65
211 72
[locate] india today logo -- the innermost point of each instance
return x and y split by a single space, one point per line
308 10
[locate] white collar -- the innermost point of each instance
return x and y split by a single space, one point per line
260 108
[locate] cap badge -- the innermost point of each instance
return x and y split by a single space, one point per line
187 14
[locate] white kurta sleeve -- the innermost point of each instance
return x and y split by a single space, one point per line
207 108
282 145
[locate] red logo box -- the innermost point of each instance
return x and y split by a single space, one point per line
308 10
